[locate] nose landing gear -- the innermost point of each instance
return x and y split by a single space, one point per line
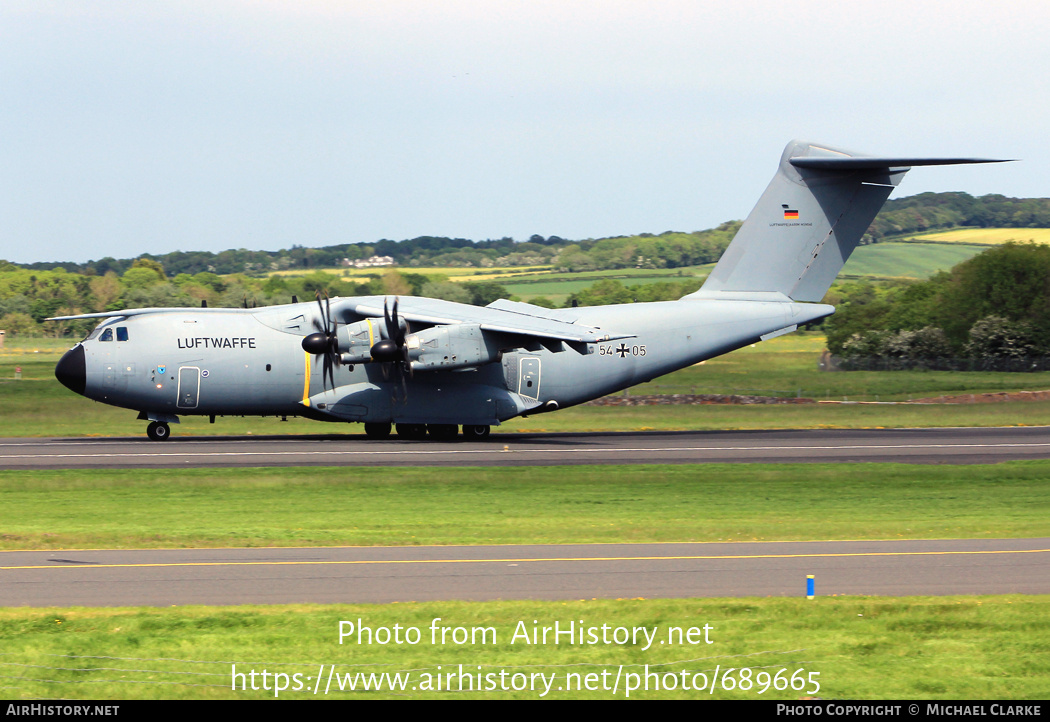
158 431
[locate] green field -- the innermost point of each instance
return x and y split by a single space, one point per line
907 260
519 505
859 649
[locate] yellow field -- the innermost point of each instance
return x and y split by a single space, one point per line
454 274
985 236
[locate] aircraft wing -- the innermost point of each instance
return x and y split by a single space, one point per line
501 317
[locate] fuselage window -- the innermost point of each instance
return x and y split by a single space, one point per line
122 333
107 335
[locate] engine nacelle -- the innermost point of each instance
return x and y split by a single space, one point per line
448 347
356 340
451 347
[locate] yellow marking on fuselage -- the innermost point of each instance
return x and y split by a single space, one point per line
306 383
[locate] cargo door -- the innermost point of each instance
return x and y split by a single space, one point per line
529 378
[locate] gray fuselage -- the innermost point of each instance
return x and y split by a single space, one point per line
238 362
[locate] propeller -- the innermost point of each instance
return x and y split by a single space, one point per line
324 341
392 349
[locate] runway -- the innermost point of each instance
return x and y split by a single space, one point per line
922 446
403 574
388 574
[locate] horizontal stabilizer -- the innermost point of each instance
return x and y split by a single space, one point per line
870 163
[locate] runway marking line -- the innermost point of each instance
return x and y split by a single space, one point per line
518 560
600 450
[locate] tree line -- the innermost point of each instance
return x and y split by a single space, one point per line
875 320
994 306
939 211
671 249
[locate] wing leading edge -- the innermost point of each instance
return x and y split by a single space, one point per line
434 312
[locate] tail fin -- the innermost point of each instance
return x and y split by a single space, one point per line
807 223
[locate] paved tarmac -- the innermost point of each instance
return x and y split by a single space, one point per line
924 446
403 574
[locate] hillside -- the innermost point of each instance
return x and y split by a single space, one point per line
899 219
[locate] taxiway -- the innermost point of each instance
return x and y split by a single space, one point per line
403 574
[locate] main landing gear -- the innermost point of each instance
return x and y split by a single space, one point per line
377 431
435 432
158 431
476 433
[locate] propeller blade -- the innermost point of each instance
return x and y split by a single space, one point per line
325 342
392 351
328 370
320 307
391 328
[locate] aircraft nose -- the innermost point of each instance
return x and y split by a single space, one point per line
72 370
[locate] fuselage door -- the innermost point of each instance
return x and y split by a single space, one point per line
529 378
189 387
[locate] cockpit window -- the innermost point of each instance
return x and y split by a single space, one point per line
107 335
122 333
94 333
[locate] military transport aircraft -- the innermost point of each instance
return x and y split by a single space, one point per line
430 366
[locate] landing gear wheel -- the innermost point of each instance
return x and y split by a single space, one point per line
377 431
476 433
158 431
443 432
413 432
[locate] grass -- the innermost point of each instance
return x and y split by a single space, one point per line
191 508
860 648
758 417
907 260
788 366
558 290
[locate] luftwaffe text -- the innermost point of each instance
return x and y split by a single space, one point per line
216 342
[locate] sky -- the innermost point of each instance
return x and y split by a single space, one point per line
130 128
